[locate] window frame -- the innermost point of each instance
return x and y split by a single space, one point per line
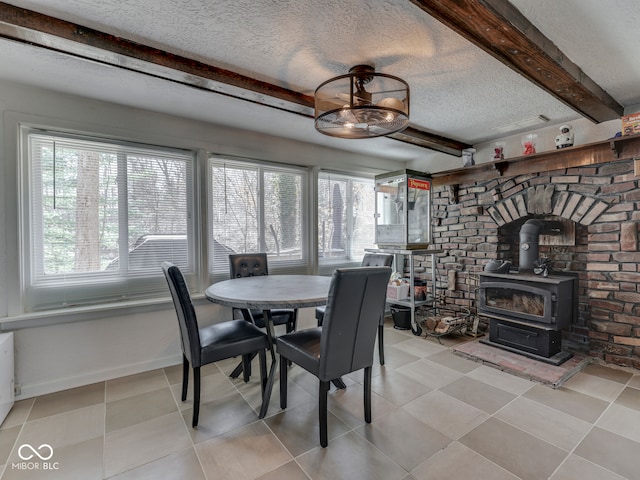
326 266
276 265
61 290
18 307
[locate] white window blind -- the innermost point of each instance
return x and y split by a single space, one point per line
346 223
102 217
256 207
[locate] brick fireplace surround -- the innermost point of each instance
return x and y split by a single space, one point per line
480 221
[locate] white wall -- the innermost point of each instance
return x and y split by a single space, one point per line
98 345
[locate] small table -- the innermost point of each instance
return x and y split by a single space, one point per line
267 292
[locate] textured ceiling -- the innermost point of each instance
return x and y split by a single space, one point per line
457 90
596 35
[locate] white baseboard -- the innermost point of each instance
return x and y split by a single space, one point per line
59 384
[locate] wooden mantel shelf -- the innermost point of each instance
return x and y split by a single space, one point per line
621 148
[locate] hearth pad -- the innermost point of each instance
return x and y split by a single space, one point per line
520 365
556 359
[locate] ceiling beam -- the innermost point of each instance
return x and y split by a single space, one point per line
498 28
432 141
26 26
41 30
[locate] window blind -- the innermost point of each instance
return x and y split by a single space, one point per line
346 223
256 207
102 217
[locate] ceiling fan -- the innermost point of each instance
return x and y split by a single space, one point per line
362 104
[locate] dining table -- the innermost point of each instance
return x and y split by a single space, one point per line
267 292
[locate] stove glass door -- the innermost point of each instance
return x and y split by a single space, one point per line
517 301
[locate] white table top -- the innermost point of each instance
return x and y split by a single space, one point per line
271 291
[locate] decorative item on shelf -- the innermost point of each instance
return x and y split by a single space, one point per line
529 144
542 266
498 152
362 104
631 124
565 139
467 157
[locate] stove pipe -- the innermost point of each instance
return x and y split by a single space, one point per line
529 235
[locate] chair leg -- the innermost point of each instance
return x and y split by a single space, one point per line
236 371
246 368
283 381
367 394
262 357
295 320
196 396
322 412
185 377
267 391
381 343
239 368
339 383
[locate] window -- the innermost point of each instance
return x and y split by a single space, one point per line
346 223
255 207
102 217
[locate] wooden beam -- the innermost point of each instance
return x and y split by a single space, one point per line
498 28
430 140
41 30
33 28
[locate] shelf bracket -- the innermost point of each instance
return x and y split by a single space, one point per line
453 193
616 148
500 167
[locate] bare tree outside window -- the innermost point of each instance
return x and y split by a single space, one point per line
254 208
101 209
346 209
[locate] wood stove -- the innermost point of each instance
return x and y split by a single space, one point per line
527 312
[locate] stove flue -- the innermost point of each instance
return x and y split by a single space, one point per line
529 242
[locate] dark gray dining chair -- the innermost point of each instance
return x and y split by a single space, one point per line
345 342
252 265
369 260
204 345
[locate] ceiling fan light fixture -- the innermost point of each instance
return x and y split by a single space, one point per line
362 104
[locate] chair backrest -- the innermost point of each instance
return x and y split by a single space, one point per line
189 332
355 304
377 260
248 265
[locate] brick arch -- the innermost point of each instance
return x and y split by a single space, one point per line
546 200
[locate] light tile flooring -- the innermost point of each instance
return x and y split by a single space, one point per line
435 416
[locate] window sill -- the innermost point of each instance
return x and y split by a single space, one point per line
88 313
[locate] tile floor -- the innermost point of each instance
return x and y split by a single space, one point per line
435 416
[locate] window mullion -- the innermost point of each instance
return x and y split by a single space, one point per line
262 238
348 211
123 213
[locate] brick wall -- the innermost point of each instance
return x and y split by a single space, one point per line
478 222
